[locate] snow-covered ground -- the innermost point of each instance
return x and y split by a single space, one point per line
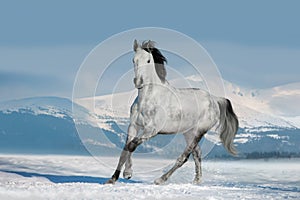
79 177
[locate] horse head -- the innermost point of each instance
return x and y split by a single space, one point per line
148 64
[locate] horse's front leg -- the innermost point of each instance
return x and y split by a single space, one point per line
130 146
122 160
132 133
127 173
125 156
146 135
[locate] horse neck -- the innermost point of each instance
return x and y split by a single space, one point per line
151 89
151 82
150 76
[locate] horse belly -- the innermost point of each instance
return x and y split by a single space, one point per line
190 116
180 122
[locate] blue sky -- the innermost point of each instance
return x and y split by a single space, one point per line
42 43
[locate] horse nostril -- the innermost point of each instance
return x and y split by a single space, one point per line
138 82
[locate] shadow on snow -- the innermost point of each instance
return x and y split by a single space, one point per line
68 179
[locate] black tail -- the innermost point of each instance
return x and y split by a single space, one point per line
228 125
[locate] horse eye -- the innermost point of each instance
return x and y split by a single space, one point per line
148 61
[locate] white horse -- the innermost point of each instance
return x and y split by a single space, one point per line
160 108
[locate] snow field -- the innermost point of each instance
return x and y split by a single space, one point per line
79 177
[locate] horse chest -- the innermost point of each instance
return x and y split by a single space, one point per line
145 114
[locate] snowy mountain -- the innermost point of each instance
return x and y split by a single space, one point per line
39 125
269 124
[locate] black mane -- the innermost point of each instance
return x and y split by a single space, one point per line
159 59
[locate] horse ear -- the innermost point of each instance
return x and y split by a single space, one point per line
135 45
149 45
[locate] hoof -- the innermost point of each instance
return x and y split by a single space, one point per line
197 181
159 181
127 174
110 181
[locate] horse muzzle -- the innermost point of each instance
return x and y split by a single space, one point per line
138 83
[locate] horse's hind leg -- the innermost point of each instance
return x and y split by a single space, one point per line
197 158
181 159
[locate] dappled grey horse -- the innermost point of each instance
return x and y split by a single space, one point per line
160 108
